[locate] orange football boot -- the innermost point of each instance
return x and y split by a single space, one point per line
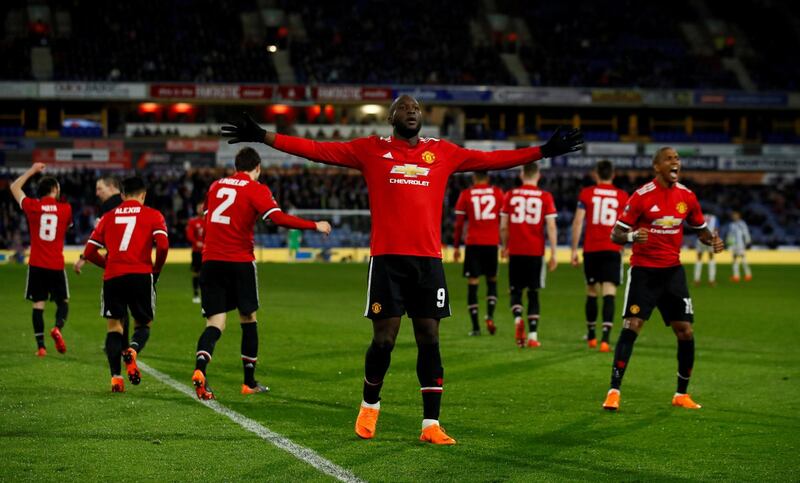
490 326
129 358
612 400
259 388
684 401
201 387
61 346
435 434
519 332
366 422
592 343
605 347
41 352
117 384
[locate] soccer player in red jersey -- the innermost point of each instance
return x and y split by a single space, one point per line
599 205
653 221
479 206
228 276
48 220
527 217
406 178
128 233
195 231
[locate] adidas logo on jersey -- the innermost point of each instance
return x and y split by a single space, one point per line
654 209
388 155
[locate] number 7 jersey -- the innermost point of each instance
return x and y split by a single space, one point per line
127 233
48 221
603 204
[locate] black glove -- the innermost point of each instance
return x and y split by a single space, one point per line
562 142
244 130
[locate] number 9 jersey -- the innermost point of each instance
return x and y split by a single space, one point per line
603 204
48 221
527 207
232 207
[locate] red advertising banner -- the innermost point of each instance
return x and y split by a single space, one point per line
211 91
351 93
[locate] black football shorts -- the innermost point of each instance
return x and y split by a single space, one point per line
43 283
664 288
526 271
480 260
133 291
225 286
604 266
400 284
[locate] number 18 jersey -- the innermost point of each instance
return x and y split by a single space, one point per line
232 206
603 204
481 205
527 207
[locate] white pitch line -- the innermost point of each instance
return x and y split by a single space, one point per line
300 452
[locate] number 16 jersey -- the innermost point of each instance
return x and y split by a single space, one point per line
603 204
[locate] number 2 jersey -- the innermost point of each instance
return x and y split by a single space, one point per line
127 233
527 208
662 211
480 205
48 221
603 204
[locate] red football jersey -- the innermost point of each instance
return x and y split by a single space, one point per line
127 234
662 211
406 183
48 221
603 204
233 205
527 207
195 231
481 207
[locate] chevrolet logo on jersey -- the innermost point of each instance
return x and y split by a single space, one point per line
410 170
668 222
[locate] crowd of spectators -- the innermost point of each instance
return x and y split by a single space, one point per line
773 211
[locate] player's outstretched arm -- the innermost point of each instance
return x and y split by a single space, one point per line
562 141
16 186
246 130
288 221
92 254
622 235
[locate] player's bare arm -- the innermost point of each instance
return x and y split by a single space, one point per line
552 237
712 239
16 186
621 235
577 225
504 235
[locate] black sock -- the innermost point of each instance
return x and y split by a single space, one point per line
205 347
430 374
533 310
140 336
376 363
608 316
196 285
491 298
125 329
249 352
685 364
472 305
622 355
38 327
62 310
114 342
516 303
591 316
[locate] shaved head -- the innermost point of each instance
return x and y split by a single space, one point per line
405 116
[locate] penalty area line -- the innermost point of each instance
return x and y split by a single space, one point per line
302 453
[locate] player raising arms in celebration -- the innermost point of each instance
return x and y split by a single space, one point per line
653 221
128 233
406 178
528 217
228 277
195 231
480 207
599 205
48 220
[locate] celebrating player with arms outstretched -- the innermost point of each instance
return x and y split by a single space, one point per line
48 220
599 205
406 178
479 205
653 221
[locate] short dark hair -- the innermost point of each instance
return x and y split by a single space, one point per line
482 175
110 180
133 186
605 169
657 155
530 170
247 159
46 186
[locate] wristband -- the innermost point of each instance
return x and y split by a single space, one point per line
82 257
632 236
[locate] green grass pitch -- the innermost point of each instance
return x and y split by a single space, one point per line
518 415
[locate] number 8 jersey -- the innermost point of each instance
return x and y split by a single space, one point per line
48 221
127 233
603 204
527 207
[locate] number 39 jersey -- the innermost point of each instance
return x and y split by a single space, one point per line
127 234
232 207
481 205
603 204
48 221
527 207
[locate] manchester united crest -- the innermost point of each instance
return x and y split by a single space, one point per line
681 207
635 309
428 157
376 308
